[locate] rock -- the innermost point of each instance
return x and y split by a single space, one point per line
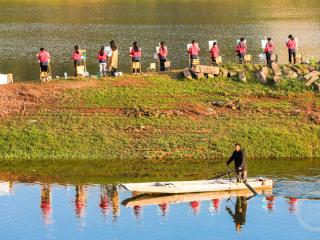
242 77
210 75
312 68
261 77
296 70
276 79
311 81
219 103
276 70
206 69
186 73
311 75
291 74
199 75
232 74
265 70
223 72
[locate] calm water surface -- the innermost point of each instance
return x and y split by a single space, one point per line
49 210
25 26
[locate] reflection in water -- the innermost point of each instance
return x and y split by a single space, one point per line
195 206
45 203
269 202
240 212
164 207
106 199
293 202
81 201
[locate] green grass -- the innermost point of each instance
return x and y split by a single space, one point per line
265 124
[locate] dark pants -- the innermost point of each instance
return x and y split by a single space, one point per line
113 71
135 59
162 63
292 54
241 57
268 57
76 64
44 66
241 175
192 58
214 60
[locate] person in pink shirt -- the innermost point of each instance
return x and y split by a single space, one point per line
102 58
44 59
135 53
193 51
76 57
292 48
214 53
241 49
163 54
268 50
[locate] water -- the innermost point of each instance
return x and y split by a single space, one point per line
25 26
59 201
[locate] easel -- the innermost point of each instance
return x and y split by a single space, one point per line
82 67
135 66
46 76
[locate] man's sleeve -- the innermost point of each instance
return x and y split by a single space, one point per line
243 162
230 159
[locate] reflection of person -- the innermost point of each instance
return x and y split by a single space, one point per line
241 49
164 207
195 206
216 204
163 53
115 202
81 200
240 212
293 204
238 157
270 202
104 200
113 63
45 203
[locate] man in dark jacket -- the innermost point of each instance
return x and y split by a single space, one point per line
238 157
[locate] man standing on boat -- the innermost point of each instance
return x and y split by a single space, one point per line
238 157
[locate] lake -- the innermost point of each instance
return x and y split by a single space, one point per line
26 26
61 204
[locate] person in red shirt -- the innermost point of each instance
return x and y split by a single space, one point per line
102 58
44 59
241 49
135 54
76 57
268 50
214 53
193 51
292 46
163 54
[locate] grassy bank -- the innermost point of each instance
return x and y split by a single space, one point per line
158 116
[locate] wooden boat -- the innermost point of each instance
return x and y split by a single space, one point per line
197 186
157 199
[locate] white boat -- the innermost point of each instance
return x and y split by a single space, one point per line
177 187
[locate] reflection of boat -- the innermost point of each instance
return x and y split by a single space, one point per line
5 188
196 186
154 199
